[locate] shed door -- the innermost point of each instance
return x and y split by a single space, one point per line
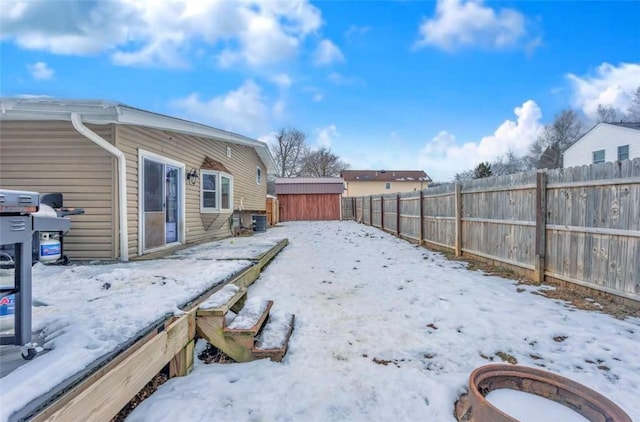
161 208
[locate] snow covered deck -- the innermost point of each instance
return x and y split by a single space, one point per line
96 311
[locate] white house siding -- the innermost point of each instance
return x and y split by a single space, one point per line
192 150
604 136
50 156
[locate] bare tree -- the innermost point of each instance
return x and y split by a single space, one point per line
322 163
509 163
606 114
463 175
633 112
557 136
289 148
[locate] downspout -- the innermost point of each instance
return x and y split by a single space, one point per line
76 121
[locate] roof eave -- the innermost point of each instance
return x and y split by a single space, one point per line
105 112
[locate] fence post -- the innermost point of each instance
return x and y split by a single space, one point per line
458 204
421 218
541 225
398 215
355 210
371 210
382 212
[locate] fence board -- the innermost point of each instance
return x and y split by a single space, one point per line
590 230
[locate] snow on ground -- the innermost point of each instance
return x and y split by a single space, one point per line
92 309
232 248
389 331
384 330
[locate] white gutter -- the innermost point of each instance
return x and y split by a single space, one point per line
76 121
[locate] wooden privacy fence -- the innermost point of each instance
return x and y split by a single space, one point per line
579 225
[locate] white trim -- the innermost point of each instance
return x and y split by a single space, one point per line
142 154
76 121
596 127
162 158
105 112
218 209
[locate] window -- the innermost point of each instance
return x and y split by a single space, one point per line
623 152
225 192
598 156
216 191
258 175
228 152
387 185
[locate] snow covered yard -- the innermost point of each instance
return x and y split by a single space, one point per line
386 330
94 309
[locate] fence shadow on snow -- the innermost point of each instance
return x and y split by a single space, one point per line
579 225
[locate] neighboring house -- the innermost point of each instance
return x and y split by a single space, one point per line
309 198
605 142
146 181
374 182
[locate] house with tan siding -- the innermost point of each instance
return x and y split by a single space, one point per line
380 182
147 182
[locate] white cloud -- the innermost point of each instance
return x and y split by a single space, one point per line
162 33
283 80
442 157
339 79
327 53
279 108
611 85
355 30
460 23
243 110
326 136
40 71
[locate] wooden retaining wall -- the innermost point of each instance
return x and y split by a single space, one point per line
105 391
579 225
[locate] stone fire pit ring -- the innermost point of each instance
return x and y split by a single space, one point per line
579 398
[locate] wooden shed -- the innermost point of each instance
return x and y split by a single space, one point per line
309 198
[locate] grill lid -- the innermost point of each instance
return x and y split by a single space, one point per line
18 202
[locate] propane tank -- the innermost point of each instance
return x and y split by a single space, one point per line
50 250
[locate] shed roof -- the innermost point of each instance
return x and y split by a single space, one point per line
309 185
385 176
107 112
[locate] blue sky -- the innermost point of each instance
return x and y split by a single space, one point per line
437 86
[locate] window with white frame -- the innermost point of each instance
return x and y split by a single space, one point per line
598 156
258 175
623 152
216 191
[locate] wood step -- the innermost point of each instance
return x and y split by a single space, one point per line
236 338
273 341
251 317
230 297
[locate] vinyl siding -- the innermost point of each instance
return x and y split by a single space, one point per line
357 188
192 150
50 156
603 137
